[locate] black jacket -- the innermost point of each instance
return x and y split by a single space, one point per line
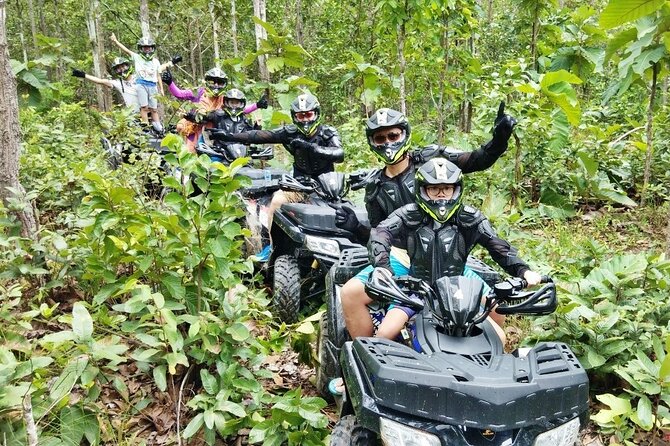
318 156
437 250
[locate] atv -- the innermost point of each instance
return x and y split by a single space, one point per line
306 240
452 383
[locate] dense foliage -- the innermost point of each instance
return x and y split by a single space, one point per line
125 306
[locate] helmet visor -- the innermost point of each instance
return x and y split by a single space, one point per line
306 116
391 135
440 191
216 82
234 103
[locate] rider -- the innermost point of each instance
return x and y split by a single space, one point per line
123 81
315 148
147 68
208 98
388 134
438 218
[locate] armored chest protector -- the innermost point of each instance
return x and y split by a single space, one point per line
396 192
437 251
236 124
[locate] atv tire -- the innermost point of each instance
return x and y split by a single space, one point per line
286 289
327 369
347 432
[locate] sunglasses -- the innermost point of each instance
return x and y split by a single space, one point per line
305 116
444 189
381 138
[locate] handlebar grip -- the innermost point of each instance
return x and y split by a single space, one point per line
546 279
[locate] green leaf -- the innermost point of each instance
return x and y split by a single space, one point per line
68 377
555 77
645 417
619 406
160 377
209 383
195 424
231 407
648 58
82 323
618 12
618 41
174 286
305 328
238 331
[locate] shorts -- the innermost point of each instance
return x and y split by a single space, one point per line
146 96
399 265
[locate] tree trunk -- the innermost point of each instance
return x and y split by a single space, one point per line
402 64
534 36
33 23
233 27
650 136
22 33
144 18
444 43
298 23
10 132
215 32
93 23
43 23
261 34
489 11
667 235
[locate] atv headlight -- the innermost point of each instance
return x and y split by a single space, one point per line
396 434
322 245
564 435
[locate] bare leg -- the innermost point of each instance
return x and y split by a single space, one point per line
144 114
499 331
278 198
354 307
156 120
393 322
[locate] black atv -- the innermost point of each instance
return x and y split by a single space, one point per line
306 241
460 388
333 332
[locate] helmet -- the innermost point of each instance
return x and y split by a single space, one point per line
234 102
389 151
438 171
215 81
121 68
143 43
300 108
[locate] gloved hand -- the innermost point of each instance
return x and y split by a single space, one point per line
221 135
263 101
298 144
78 73
503 126
345 218
166 76
191 116
176 59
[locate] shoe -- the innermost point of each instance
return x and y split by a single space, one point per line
264 255
336 386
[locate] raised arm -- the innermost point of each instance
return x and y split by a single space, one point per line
120 45
277 136
97 80
331 150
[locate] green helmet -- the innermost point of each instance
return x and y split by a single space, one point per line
147 47
389 151
121 68
234 102
306 113
438 171
215 81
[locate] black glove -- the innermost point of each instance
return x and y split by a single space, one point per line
78 73
176 59
191 116
221 135
503 125
345 218
263 101
298 144
166 76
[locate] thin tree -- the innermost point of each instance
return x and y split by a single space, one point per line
93 25
215 31
10 132
233 27
261 34
144 18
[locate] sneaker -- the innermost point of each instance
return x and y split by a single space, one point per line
336 386
264 255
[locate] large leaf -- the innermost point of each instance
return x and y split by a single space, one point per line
82 323
68 377
619 40
648 58
619 406
619 12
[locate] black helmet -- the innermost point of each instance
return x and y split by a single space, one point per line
215 81
304 104
388 151
438 171
121 68
146 42
237 96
